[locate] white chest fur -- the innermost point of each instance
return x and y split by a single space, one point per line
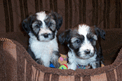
43 49
74 58
86 61
74 61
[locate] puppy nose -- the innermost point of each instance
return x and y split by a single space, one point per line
87 51
45 35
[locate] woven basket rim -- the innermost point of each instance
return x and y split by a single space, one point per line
80 72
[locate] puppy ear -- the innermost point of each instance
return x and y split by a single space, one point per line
58 18
64 37
27 23
100 32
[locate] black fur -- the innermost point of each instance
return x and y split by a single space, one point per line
58 18
100 33
31 53
65 38
27 23
34 30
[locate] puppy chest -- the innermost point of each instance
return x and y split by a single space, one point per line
86 61
43 50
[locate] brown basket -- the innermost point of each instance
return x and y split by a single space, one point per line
17 65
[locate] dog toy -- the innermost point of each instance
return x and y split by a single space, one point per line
62 59
63 66
51 65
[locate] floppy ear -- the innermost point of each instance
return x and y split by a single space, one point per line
64 37
100 33
58 18
27 23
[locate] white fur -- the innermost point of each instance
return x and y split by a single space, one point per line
86 59
74 61
43 46
43 50
43 29
84 30
41 15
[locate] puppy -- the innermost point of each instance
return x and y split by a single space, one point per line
42 28
84 46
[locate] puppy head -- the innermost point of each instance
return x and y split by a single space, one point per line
82 40
43 25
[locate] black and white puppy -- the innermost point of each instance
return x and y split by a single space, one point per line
42 28
84 46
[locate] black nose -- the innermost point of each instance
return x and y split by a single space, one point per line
46 35
87 51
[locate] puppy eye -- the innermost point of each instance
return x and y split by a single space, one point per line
78 41
38 25
91 39
50 24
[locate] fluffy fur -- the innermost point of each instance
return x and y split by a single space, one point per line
42 28
84 46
